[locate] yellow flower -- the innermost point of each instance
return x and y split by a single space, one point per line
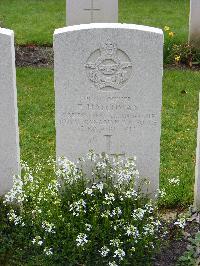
171 34
166 28
177 58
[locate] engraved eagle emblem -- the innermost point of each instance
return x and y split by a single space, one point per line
109 67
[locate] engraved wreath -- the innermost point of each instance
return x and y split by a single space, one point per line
109 68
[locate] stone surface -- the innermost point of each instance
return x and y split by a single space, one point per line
90 11
197 167
108 85
9 137
194 24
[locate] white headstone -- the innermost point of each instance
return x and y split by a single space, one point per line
194 31
197 167
108 85
90 11
9 137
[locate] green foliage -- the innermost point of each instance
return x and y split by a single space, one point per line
179 53
169 36
191 257
185 54
90 217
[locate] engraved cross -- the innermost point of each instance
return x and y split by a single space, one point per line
92 9
108 147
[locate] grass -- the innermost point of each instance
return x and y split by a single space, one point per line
34 21
157 13
36 113
179 122
178 142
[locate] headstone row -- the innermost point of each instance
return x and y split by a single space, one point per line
108 85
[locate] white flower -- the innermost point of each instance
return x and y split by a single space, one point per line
123 177
88 191
67 170
119 253
174 181
132 249
130 194
113 263
149 208
37 240
100 186
160 193
101 165
181 222
78 207
48 251
138 214
88 227
110 197
13 217
91 156
131 231
81 239
16 194
28 178
116 212
115 242
106 214
149 229
48 227
25 166
104 251
40 243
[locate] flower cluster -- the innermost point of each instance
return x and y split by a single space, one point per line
169 32
77 207
84 213
81 239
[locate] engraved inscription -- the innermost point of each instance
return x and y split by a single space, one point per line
108 147
109 68
92 9
107 115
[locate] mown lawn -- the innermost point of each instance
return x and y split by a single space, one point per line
34 21
179 121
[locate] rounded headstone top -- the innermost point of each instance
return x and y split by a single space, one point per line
108 26
6 31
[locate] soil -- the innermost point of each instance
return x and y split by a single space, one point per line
174 249
35 56
42 56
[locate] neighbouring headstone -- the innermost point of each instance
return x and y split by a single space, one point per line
90 11
9 137
108 85
197 167
194 24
